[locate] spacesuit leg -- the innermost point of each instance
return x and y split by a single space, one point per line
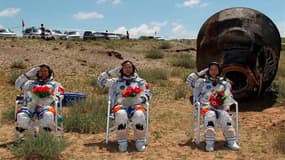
47 118
121 119
23 119
209 122
228 130
139 120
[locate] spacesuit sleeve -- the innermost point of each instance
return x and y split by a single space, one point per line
197 90
147 94
105 80
228 92
59 90
191 79
23 83
20 82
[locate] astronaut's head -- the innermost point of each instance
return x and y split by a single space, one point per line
214 70
45 72
128 69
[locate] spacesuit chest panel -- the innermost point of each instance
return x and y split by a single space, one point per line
210 87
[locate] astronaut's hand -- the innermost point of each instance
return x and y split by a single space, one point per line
202 72
32 72
114 71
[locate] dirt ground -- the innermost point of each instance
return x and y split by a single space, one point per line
260 119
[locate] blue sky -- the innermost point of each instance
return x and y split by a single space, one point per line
167 18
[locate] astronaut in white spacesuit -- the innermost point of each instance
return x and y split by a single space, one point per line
214 94
129 93
35 107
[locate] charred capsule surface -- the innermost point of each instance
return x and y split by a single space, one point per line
247 44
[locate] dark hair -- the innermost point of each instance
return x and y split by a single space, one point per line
214 64
125 62
50 71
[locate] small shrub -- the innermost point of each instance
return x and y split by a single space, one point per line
88 116
8 115
184 60
19 64
13 77
97 88
180 92
279 143
44 146
154 54
69 45
281 89
153 75
165 45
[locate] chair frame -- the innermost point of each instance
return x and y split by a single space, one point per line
110 116
196 133
59 129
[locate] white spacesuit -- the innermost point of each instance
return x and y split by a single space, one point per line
203 89
123 108
40 108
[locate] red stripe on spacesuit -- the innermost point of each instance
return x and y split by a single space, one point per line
140 108
117 108
60 90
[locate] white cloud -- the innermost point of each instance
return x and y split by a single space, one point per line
151 29
193 3
9 12
88 15
104 1
178 31
190 3
1 26
281 27
101 1
116 1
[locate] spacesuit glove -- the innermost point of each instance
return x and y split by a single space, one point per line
202 72
114 71
32 72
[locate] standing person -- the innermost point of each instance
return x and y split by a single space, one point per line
214 94
128 35
42 28
39 97
130 92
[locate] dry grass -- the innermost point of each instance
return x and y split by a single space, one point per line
169 118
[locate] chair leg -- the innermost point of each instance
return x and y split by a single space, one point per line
108 122
147 124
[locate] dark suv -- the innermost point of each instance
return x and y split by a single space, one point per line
88 35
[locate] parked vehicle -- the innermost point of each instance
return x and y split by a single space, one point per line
108 36
7 33
34 32
88 35
56 34
72 34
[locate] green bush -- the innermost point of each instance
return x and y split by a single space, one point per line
279 143
69 45
97 88
8 116
19 64
43 146
154 54
180 92
184 60
88 116
165 45
13 77
153 75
